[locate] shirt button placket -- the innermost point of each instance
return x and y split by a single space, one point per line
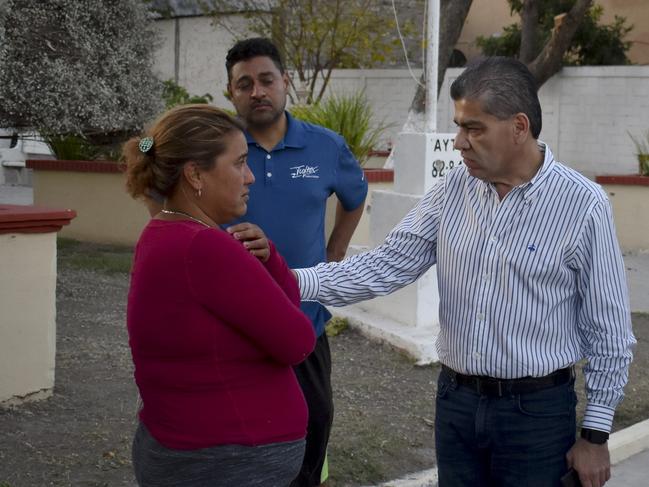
269 168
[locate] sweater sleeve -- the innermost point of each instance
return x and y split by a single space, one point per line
277 268
234 286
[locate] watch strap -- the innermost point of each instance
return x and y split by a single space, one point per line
594 436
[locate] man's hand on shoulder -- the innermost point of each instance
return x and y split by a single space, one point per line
253 238
591 461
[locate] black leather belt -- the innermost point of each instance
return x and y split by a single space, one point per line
490 386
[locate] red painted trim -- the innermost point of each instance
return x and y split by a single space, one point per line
33 219
378 153
78 166
379 175
626 180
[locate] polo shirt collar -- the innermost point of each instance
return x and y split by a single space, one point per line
295 136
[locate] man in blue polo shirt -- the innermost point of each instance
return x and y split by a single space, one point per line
297 166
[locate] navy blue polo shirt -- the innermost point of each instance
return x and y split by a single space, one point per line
288 199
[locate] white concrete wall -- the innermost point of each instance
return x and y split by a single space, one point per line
201 50
27 316
587 111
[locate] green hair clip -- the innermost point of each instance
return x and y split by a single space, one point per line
145 145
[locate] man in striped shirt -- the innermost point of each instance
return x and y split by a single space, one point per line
531 280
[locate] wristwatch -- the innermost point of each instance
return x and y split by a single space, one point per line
594 436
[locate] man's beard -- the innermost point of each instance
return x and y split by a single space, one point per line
266 118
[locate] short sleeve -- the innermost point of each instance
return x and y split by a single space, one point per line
351 185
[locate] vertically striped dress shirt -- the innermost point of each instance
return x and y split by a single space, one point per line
528 284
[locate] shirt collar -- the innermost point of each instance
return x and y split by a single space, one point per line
541 175
295 136
532 186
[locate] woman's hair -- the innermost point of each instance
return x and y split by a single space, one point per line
154 161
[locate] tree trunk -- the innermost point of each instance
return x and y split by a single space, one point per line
549 61
529 26
452 16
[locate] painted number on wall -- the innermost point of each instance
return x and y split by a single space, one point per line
440 167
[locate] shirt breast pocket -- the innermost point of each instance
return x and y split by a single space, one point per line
537 266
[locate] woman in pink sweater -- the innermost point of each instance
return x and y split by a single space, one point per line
213 318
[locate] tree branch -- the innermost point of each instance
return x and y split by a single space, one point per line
529 26
549 61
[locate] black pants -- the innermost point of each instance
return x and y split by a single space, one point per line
314 376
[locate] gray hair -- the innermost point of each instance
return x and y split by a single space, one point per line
504 86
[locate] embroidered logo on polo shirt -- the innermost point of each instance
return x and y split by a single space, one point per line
305 171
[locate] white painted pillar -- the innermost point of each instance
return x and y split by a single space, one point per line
28 301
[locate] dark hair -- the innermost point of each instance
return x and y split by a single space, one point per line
249 48
504 86
184 133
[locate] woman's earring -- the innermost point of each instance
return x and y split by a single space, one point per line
199 192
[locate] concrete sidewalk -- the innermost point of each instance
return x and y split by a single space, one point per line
633 471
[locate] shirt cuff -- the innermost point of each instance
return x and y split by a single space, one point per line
598 417
309 283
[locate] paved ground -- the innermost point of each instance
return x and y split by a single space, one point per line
631 472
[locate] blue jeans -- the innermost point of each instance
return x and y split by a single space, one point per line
517 440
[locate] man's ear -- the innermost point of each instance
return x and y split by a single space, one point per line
520 127
286 80
192 174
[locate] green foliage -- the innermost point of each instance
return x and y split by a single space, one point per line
600 45
173 94
642 152
77 67
336 325
317 36
507 44
347 115
593 43
78 148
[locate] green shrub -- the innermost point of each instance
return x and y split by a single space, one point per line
347 115
78 148
642 152
173 94
594 43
